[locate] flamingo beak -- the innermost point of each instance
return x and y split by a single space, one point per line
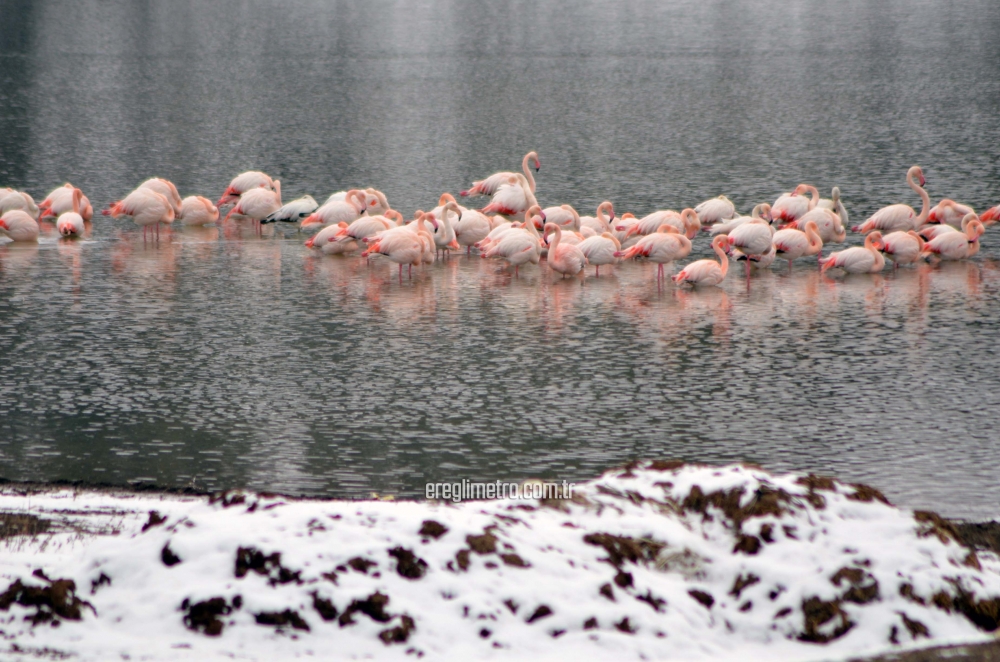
922 180
310 241
454 245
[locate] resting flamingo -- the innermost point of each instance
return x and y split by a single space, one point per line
491 184
258 203
565 216
828 222
706 272
166 188
146 207
902 247
789 207
512 199
929 232
60 201
196 210
472 227
600 249
348 210
520 245
752 239
599 222
760 212
901 217
243 183
662 247
294 211
405 244
567 259
791 244
332 240
19 226
949 212
687 223
957 245
11 200
990 216
715 210
858 259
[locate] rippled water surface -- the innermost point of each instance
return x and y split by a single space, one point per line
220 359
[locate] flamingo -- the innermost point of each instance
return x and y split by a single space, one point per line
901 217
512 198
990 216
752 239
294 211
624 230
491 184
828 222
759 262
444 236
349 209
663 246
375 202
835 204
902 247
147 209
715 210
600 249
472 227
243 183
70 223
60 201
760 212
706 272
332 240
687 223
495 235
929 232
196 210
11 200
791 244
599 223
405 244
790 206
567 259
957 245
166 188
19 226
858 259
565 216
520 245
949 212
258 203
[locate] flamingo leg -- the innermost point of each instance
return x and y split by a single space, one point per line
598 271
409 272
789 266
748 268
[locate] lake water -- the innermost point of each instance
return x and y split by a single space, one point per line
219 359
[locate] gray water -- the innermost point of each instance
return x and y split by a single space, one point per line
218 359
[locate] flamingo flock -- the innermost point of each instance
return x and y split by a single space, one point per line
513 227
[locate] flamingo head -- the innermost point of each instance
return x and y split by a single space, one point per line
538 164
310 241
3 225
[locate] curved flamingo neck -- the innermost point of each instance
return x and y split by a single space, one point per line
925 200
723 258
600 215
812 234
527 170
814 195
557 231
77 197
277 191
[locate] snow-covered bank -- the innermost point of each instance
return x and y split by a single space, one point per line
661 561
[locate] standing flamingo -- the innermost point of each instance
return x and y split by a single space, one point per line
19 226
858 259
901 217
258 203
491 184
752 239
243 183
600 249
11 200
791 244
686 222
828 222
662 247
407 244
567 259
60 201
789 207
146 207
565 216
706 272
957 245
600 223
472 227
902 247
990 216
520 245
512 199
166 188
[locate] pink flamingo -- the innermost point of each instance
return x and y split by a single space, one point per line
714 210
166 188
902 247
196 210
791 244
858 260
600 249
565 216
706 272
957 245
258 203
70 223
662 247
901 217
828 222
753 239
600 223
491 184
520 245
567 259
243 183
348 210
19 226
949 212
147 209
512 198
990 216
